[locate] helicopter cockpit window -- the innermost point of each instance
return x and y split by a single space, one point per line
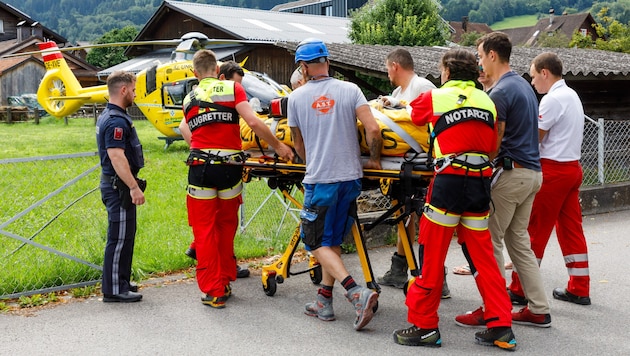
264 88
175 92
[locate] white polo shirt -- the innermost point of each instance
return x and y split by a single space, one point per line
562 116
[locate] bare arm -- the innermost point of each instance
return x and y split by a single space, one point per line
185 130
541 134
121 166
298 142
500 133
372 135
262 131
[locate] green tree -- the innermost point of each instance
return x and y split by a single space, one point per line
614 36
398 22
470 38
106 57
555 39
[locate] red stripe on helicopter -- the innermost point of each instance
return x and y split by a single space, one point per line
50 56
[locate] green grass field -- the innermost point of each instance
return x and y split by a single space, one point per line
515 21
163 231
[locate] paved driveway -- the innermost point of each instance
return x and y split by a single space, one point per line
172 321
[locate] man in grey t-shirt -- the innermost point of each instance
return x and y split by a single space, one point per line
323 120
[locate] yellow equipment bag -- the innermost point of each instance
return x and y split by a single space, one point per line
393 143
276 125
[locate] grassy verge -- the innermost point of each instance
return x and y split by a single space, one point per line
163 231
515 21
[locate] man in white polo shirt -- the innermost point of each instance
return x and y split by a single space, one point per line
561 129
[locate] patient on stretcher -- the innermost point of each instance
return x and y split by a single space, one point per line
400 136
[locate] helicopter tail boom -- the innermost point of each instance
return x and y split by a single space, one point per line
60 93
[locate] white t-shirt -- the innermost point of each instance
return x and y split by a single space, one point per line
562 116
416 86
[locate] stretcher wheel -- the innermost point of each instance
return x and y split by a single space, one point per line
316 274
408 284
270 290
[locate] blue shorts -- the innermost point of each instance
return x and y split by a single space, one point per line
325 215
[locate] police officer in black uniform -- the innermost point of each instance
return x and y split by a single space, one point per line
121 158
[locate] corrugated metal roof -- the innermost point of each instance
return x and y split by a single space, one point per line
254 24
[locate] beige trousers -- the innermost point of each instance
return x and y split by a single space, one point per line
512 198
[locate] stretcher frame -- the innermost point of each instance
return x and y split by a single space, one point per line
404 182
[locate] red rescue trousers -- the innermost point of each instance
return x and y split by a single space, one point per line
437 227
214 223
557 205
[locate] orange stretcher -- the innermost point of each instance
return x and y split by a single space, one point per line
402 179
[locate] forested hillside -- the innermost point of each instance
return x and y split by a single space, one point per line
87 20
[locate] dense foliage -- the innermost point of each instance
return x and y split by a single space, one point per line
88 20
398 22
105 57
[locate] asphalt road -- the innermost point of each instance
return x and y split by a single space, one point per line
172 321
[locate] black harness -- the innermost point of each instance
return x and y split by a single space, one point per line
219 114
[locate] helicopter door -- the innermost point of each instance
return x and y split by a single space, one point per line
173 93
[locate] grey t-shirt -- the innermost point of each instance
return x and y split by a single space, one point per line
325 112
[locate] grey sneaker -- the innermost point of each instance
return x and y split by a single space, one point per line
364 300
322 308
397 275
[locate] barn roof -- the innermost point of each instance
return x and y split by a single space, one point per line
578 63
251 24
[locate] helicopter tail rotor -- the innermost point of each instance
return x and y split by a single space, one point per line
60 93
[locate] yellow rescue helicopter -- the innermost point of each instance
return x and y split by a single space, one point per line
160 89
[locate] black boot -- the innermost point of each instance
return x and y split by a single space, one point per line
397 274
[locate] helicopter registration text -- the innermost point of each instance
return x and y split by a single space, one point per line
54 64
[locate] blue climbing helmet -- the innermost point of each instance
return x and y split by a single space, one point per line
311 50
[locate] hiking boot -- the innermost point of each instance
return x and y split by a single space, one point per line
501 337
414 336
526 317
563 294
215 302
397 274
241 272
446 293
472 319
322 308
516 299
191 252
364 300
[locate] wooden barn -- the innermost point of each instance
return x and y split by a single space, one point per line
176 18
22 74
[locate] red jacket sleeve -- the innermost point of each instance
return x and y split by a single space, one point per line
422 109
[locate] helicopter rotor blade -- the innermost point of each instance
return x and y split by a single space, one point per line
198 40
96 45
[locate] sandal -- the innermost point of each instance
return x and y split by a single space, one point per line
462 270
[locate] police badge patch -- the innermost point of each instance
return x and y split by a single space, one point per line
118 133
